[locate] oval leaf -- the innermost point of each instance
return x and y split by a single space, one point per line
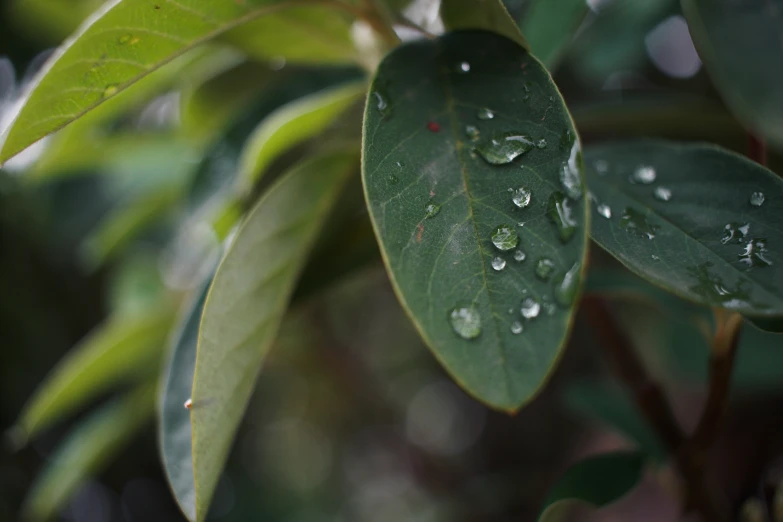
740 44
490 15
247 301
596 481
121 43
114 350
86 450
697 220
450 222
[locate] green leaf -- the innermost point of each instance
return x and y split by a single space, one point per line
247 301
115 350
596 481
87 450
683 217
550 26
309 35
437 207
120 44
292 124
740 45
173 417
490 15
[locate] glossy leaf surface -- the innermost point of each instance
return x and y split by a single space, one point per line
118 45
87 450
701 222
741 44
113 351
549 26
596 481
474 223
245 306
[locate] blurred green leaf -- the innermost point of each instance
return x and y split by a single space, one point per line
490 15
117 46
310 35
87 450
685 217
135 284
740 44
436 205
292 124
595 481
247 301
116 350
549 26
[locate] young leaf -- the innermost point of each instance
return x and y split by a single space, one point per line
473 179
113 351
249 295
173 416
120 44
292 124
697 220
596 481
490 15
740 44
87 450
550 26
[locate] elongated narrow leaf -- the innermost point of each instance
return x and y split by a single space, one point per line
117 46
549 27
701 222
247 301
118 348
490 15
87 450
473 183
292 124
173 417
595 481
740 44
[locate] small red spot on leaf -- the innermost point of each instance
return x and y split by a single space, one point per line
433 127
419 232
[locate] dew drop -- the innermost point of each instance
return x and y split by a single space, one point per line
566 287
541 144
569 175
505 238
662 193
472 132
188 404
382 103
464 67
712 287
431 210
521 197
757 199
530 308
516 328
601 166
734 233
755 253
519 256
635 222
393 179
604 210
655 258
485 114
559 210
544 268
110 90
433 126
504 148
643 174
465 321
498 264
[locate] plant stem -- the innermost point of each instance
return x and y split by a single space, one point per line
653 404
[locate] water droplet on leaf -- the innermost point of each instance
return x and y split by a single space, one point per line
382 103
505 238
643 174
110 90
734 233
464 67
431 209
559 210
757 199
604 210
601 166
472 132
569 175
662 193
485 114
498 264
519 256
541 144
393 179
712 287
566 287
521 197
466 322
755 253
504 148
516 328
544 268
530 308
636 223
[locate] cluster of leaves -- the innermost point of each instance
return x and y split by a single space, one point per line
474 177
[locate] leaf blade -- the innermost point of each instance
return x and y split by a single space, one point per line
490 15
549 27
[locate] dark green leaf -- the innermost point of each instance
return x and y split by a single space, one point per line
741 45
690 219
490 15
549 27
596 481
87 450
445 217
247 301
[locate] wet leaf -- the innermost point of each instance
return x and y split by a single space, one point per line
684 217
464 271
740 45
247 301
595 481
